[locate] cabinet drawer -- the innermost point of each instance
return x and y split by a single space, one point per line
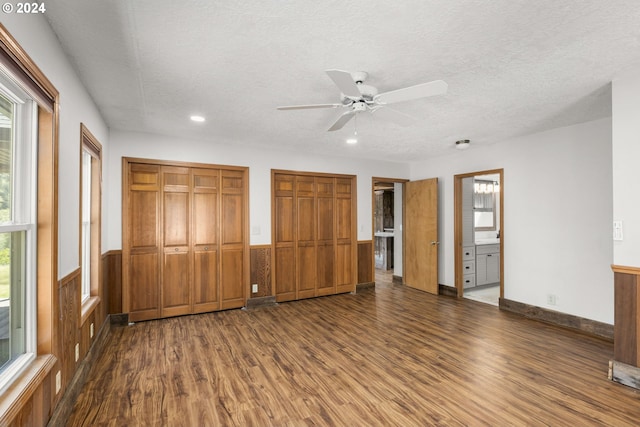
468 267
468 281
487 249
469 253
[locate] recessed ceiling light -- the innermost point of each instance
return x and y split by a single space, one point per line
198 119
352 141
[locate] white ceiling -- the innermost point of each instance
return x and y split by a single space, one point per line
513 67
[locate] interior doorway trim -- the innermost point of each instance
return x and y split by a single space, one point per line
457 195
374 180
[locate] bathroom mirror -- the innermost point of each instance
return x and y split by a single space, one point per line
484 204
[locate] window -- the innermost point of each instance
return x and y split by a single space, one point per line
90 219
86 225
18 114
29 153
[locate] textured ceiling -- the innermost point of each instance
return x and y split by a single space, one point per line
513 67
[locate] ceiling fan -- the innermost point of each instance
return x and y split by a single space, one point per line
356 97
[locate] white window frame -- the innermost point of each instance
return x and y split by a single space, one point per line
90 271
85 221
24 209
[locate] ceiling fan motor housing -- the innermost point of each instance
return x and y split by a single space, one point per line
368 92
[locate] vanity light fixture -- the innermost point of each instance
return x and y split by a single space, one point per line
198 119
462 144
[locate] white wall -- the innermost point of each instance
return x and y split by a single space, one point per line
557 215
260 163
626 175
36 37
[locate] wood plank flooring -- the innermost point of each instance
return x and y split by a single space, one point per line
388 356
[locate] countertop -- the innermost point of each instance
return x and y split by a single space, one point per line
488 242
383 234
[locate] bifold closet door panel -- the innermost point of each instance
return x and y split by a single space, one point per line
306 257
175 283
344 268
346 257
141 255
232 247
284 274
205 220
326 278
232 278
144 296
176 227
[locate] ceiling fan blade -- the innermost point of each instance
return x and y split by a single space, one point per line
436 87
345 83
309 107
398 117
342 120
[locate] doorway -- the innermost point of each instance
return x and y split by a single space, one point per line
387 204
478 234
413 259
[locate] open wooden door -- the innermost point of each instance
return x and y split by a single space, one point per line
421 235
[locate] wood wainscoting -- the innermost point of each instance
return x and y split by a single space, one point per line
74 332
69 289
112 280
625 366
35 407
626 282
366 273
29 400
260 271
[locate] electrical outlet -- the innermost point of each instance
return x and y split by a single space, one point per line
552 299
91 330
77 351
58 382
254 288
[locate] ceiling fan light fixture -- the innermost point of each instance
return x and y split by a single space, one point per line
354 138
462 144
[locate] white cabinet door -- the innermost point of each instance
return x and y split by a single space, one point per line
481 269
493 268
487 268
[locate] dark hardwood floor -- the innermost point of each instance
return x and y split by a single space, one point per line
388 355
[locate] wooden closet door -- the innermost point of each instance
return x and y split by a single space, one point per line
142 250
232 247
204 239
176 227
284 238
346 255
326 253
306 258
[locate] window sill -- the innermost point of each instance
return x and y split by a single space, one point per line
88 307
25 385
